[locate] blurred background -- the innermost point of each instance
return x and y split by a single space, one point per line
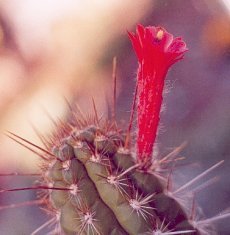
52 50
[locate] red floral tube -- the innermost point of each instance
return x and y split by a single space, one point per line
156 50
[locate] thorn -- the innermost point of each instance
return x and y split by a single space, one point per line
128 170
174 152
127 139
29 203
206 184
163 230
28 142
169 181
68 104
193 211
198 177
33 188
20 174
33 151
178 232
220 216
43 226
114 76
95 111
84 119
40 136
49 116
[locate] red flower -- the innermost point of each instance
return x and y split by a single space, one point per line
156 50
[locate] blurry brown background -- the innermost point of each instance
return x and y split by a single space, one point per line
55 49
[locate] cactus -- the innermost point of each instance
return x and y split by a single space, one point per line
94 181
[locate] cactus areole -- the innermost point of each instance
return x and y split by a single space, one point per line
93 182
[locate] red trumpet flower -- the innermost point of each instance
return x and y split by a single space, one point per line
156 50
